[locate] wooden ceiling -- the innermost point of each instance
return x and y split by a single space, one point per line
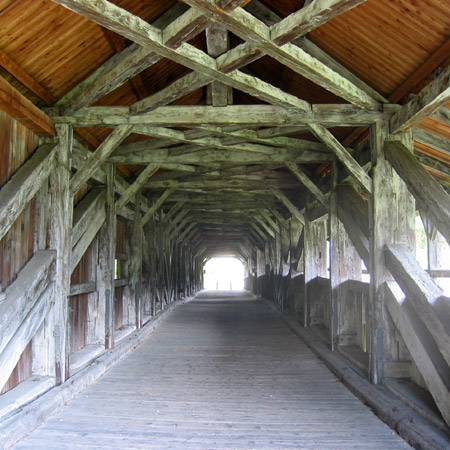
389 49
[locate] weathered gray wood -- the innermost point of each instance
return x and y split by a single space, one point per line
270 221
172 357
90 230
136 242
336 261
60 240
82 288
428 193
105 261
183 86
264 225
358 236
202 156
41 217
308 18
95 159
289 205
265 14
245 115
427 298
214 183
251 29
418 344
307 182
31 416
184 235
139 31
343 155
23 186
256 136
85 211
27 329
136 186
20 296
180 225
259 232
148 215
429 100
132 60
217 43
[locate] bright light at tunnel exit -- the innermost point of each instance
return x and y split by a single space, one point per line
224 274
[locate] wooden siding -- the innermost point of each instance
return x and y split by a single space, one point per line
16 248
78 305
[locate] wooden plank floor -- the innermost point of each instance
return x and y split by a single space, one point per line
223 372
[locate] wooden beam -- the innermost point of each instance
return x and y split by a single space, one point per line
257 33
289 205
84 212
217 43
429 194
263 13
132 60
179 88
139 31
90 230
428 101
227 156
105 258
220 184
184 234
354 169
95 159
21 295
245 115
60 240
27 329
308 18
147 216
254 136
180 226
21 109
17 72
259 232
82 288
270 221
420 347
24 185
426 297
138 183
307 182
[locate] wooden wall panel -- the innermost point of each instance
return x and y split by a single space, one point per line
79 305
17 143
22 370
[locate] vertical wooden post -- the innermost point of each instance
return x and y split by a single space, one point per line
61 224
315 248
391 220
106 258
96 309
345 264
334 258
135 261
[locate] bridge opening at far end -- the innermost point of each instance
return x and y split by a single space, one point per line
224 273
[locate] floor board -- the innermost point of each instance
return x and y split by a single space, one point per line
222 372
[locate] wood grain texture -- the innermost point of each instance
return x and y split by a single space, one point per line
222 373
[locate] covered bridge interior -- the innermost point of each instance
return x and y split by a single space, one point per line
310 140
